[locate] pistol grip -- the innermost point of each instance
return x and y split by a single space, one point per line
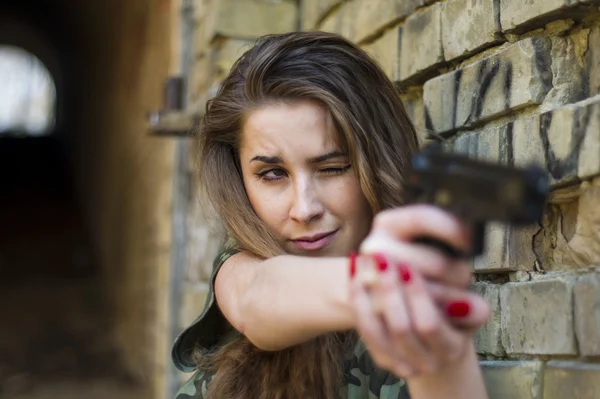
446 249
477 243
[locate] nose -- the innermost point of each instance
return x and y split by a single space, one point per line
306 205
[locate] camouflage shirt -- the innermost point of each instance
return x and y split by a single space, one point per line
363 379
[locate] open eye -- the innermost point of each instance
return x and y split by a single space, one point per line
272 174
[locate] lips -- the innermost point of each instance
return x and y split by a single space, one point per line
314 242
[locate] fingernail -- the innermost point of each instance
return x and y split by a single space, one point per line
381 262
458 309
404 273
352 257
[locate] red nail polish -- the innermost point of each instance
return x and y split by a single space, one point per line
352 257
381 262
458 309
404 273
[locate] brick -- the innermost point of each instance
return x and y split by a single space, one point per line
537 318
584 236
413 104
314 10
593 61
513 379
385 51
226 54
521 255
339 22
587 314
569 238
507 248
488 337
494 258
490 143
201 8
205 25
551 245
566 141
568 73
587 118
369 17
571 380
515 13
528 145
465 144
421 42
249 19
514 78
468 27
200 77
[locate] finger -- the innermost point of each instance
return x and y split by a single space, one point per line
463 309
371 329
431 326
414 221
433 264
366 272
397 318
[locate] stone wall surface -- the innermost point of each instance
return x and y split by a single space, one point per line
510 81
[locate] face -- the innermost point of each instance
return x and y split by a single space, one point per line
299 181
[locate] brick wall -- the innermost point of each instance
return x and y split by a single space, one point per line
506 80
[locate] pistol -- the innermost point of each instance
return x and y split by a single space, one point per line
476 191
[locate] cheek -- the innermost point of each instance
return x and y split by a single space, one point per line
348 202
268 206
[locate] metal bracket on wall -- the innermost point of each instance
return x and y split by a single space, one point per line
172 120
172 123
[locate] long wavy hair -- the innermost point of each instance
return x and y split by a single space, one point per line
373 127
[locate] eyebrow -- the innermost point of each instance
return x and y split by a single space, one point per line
318 159
264 159
323 158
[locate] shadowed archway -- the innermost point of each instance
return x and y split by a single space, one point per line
83 248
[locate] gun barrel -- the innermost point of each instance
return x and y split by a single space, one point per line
478 190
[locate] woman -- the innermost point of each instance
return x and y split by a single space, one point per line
304 153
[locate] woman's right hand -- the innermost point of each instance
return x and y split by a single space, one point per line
447 279
411 304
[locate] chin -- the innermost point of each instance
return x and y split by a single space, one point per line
323 252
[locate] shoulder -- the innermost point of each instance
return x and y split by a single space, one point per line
210 327
232 271
233 258
228 249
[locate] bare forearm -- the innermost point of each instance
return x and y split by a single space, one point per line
294 299
461 380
